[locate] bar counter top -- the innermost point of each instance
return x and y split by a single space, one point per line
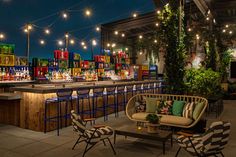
53 88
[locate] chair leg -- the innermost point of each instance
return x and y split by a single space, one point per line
87 149
45 118
76 143
221 154
111 146
104 143
177 153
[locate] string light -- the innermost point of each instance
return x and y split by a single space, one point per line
207 18
47 31
126 48
97 29
123 35
140 37
230 32
67 35
94 42
64 15
108 45
26 30
87 12
60 43
29 27
158 11
227 26
82 43
189 29
42 42
157 24
113 45
140 53
85 47
155 41
116 32
197 36
72 41
2 36
135 15
224 31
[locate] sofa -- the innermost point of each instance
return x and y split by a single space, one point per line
168 119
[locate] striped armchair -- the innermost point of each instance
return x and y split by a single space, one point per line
90 136
212 142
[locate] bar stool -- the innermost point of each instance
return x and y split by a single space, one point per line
63 95
129 90
146 88
152 87
138 88
81 108
98 93
120 90
110 91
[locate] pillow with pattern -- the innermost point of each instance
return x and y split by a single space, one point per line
140 105
188 110
165 107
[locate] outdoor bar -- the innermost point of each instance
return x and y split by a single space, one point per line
143 78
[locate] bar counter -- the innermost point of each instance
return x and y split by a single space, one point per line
33 96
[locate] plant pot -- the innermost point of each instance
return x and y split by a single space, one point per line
152 128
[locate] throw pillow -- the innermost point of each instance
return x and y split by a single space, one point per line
177 108
165 107
151 105
197 110
188 110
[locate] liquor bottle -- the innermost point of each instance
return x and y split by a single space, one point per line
0 74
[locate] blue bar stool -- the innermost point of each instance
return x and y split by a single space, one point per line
138 88
83 109
63 96
129 90
98 93
120 91
110 91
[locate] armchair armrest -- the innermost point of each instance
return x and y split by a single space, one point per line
186 134
98 126
89 119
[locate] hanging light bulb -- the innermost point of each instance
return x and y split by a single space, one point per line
97 29
87 12
227 26
42 42
207 18
197 36
135 15
94 42
60 42
26 30
189 29
72 41
157 24
47 31
29 27
140 53
158 11
155 41
223 30
82 43
66 35
85 47
113 45
2 36
140 37
116 32
230 32
64 15
126 48
123 35
108 44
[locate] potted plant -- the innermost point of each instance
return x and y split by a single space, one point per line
153 123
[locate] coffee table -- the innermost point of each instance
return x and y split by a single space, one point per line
133 131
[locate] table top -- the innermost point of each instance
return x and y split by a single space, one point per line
141 132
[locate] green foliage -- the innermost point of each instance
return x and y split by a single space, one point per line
225 60
202 82
175 48
153 118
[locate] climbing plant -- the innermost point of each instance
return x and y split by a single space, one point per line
175 47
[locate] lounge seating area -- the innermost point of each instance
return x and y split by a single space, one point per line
172 114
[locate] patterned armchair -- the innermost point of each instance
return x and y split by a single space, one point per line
212 142
90 136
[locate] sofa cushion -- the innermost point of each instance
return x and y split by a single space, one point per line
188 110
140 116
165 107
151 104
176 120
177 108
165 119
197 110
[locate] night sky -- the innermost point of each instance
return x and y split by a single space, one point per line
14 14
